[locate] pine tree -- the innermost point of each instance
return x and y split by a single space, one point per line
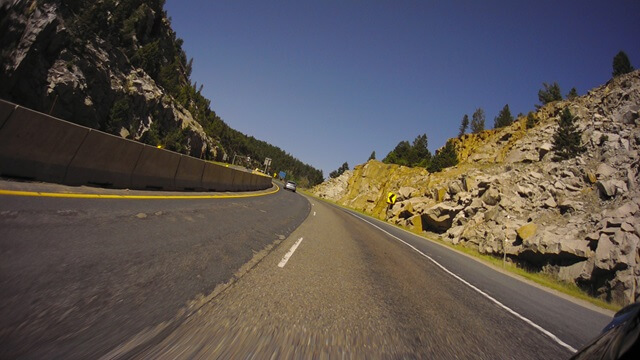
573 93
416 154
621 64
464 125
504 118
444 158
419 151
399 155
477 121
550 93
567 139
372 156
340 171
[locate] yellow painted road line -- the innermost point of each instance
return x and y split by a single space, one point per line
130 197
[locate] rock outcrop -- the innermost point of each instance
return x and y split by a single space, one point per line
577 219
45 67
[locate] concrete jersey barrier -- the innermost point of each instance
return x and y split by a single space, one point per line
37 146
156 169
104 160
6 108
189 173
219 178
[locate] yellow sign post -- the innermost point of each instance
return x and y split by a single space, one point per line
391 198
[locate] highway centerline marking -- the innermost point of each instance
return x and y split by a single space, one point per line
521 317
286 257
131 197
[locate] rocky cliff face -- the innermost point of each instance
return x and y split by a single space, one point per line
45 66
577 219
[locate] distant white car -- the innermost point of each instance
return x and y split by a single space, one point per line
290 185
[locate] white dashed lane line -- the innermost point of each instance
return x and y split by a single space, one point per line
286 257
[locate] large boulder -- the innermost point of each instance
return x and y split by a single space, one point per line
627 244
526 231
415 223
525 191
626 210
455 187
550 203
491 197
473 233
620 289
576 247
404 211
439 218
421 204
522 156
544 150
616 254
455 232
559 246
580 271
611 188
604 171
440 194
468 183
407 192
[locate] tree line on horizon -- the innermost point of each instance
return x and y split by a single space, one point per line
566 140
417 154
549 93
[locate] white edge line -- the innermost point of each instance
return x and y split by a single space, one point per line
536 326
286 257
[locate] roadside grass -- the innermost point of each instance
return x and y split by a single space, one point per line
539 278
543 279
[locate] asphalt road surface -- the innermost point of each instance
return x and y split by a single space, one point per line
214 279
80 276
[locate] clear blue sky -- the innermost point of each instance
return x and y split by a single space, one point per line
331 81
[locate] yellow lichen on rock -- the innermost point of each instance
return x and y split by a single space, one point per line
526 231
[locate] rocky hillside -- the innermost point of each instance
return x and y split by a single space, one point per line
119 67
54 61
578 219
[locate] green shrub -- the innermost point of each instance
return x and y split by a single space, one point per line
120 115
532 120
